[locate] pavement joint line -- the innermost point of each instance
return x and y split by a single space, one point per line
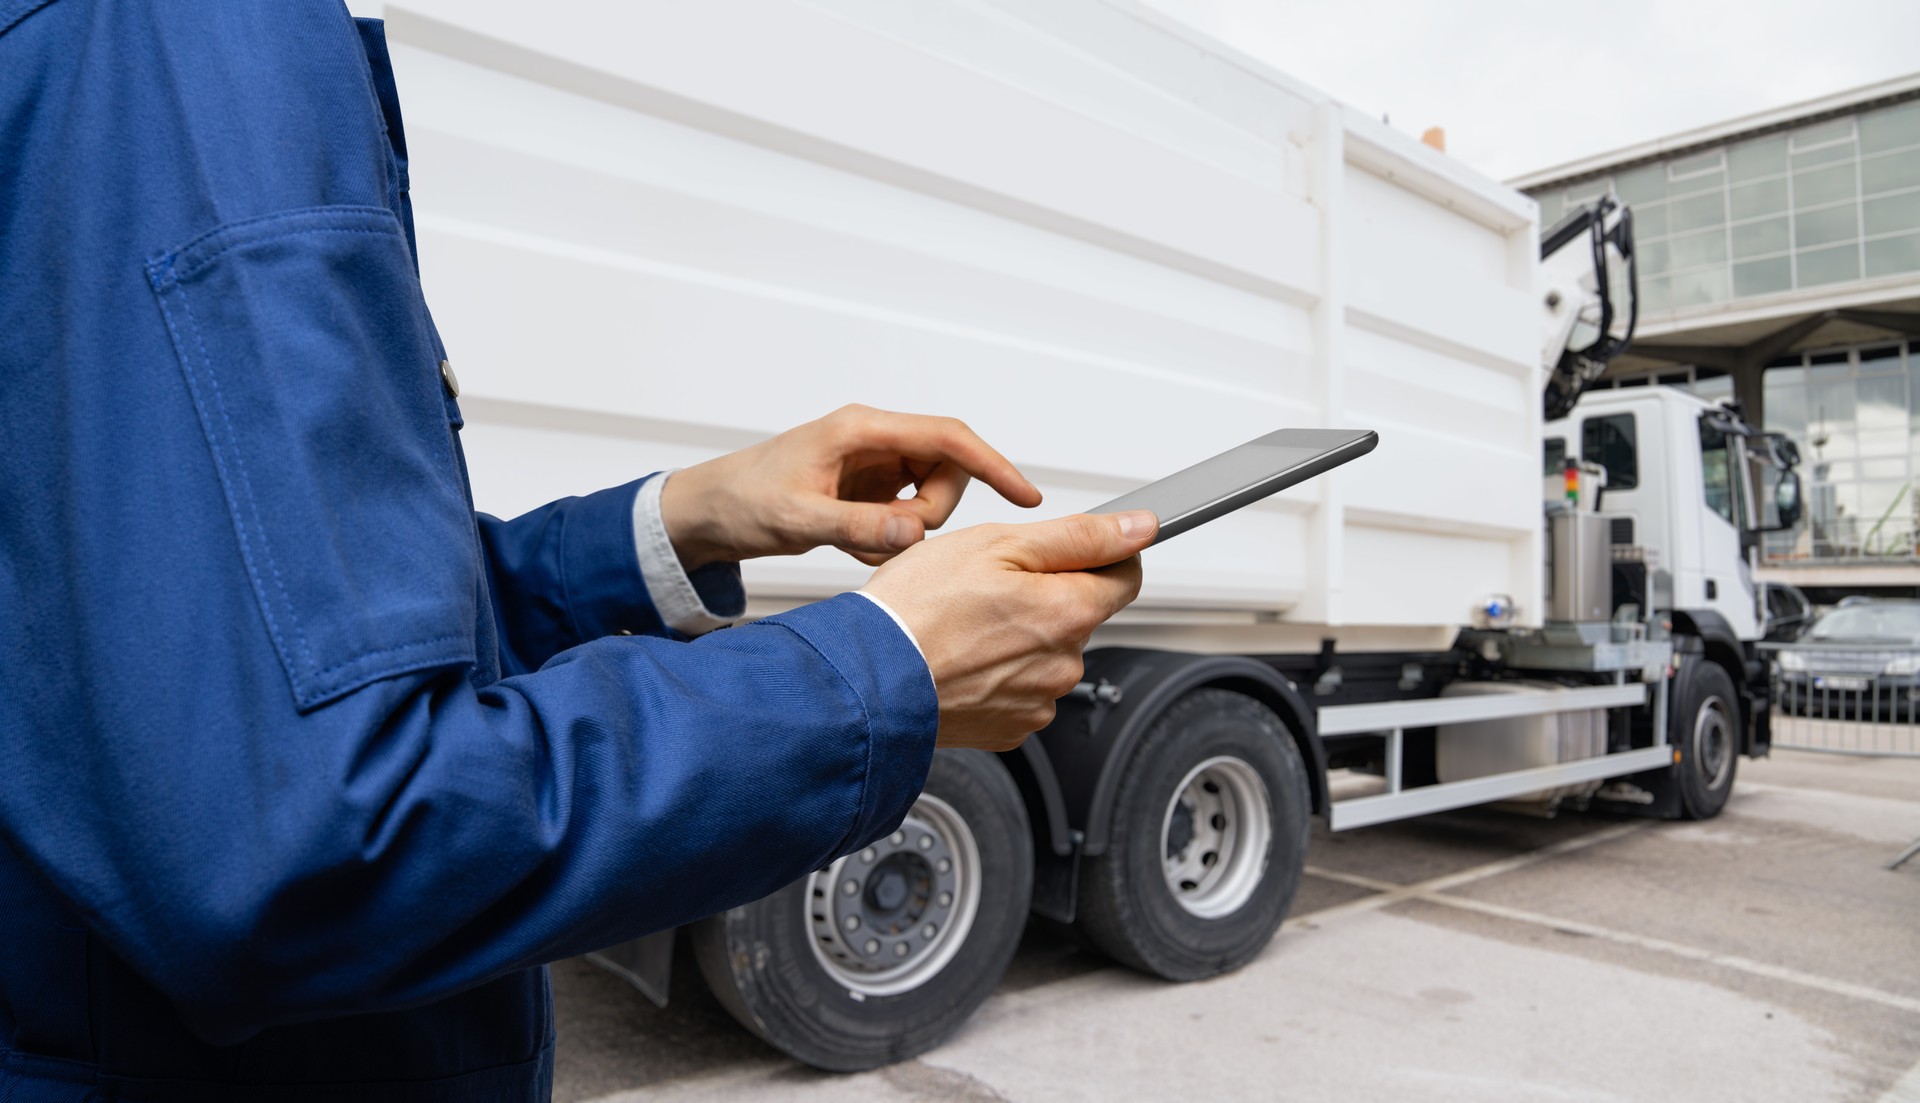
1661 945
1904 1090
1814 791
1427 892
1357 881
1390 894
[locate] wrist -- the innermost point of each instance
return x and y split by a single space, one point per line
686 511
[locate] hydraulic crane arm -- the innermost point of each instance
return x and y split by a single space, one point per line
1591 296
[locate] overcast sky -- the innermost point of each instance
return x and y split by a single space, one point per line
1521 85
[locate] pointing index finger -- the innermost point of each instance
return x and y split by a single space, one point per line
949 440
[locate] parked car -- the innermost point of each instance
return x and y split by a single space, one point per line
1860 660
1788 612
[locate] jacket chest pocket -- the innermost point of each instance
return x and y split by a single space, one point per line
305 347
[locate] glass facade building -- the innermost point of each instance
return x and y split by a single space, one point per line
1827 203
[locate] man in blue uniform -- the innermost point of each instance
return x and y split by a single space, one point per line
307 768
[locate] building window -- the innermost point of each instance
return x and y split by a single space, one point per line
1855 415
1712 384
1611 442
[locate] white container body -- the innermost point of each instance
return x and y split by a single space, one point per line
652 232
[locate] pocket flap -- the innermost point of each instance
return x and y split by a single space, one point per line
304 343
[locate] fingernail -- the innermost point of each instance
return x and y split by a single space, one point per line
899 532
1137 523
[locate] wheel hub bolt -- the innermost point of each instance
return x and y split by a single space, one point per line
900 949
926 842
888 889
850 887
851 923
872 946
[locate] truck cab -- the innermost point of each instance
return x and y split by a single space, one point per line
1688 487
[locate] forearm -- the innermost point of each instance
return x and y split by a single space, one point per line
436 836
582 568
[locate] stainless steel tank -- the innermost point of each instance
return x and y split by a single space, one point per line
1579 567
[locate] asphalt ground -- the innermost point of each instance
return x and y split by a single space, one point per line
1478 955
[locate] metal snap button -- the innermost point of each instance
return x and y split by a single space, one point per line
450 380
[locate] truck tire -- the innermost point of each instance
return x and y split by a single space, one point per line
1705 733
1207 843
849 979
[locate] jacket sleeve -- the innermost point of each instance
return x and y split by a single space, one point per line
569 572
247 730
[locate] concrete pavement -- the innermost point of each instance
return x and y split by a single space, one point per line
1764 955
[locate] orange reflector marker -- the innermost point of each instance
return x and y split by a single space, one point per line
1676 756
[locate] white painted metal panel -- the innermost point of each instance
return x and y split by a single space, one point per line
1388 807
654 231
1430 711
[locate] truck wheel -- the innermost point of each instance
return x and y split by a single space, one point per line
1705 731
1208 839
885 952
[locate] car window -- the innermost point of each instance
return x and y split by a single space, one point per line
1611 442
1869 621
1555 456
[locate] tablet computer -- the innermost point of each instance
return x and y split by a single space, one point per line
1241 476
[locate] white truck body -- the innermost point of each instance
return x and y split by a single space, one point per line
653 232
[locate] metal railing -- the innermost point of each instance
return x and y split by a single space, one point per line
1846 700
1845 540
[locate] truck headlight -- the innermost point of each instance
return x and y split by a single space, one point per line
1901 665
1792 660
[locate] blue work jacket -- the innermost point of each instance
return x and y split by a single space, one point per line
305 768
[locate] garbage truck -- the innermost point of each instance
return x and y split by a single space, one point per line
658 231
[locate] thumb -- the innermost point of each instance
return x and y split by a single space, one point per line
875 528
1081 542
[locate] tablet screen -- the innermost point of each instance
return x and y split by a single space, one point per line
1242 475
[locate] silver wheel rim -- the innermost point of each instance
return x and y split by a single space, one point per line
1214 836
1713 743
888 918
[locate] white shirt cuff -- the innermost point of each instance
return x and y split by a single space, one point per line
674 597
888 610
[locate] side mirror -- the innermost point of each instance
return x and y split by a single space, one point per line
1786 499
